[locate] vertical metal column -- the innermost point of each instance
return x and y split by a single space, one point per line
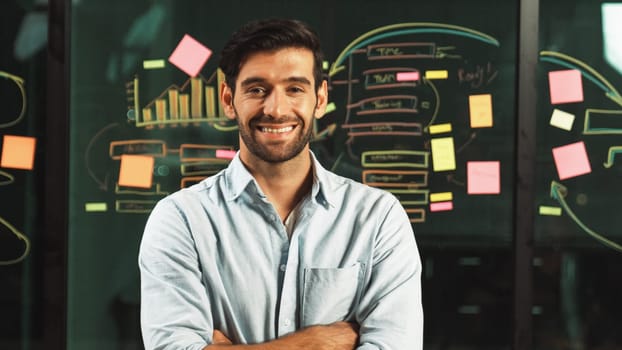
524 195
56 182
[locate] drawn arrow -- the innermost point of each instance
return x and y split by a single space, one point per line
611 155
587 71
403 29
20 236
103 184
558 193
6 178
20 84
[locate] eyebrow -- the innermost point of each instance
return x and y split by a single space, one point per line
255 80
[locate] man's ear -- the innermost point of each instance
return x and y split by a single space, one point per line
322 100
226 100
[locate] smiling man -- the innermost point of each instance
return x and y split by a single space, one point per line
275 252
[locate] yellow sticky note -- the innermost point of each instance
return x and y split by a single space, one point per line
480 107
136 171
443 154
552 211
154 64
96 207
18 152
330 107
436 74
440 128
441 197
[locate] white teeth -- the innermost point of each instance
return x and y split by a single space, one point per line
278 131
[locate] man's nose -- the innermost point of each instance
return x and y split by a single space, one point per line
276 104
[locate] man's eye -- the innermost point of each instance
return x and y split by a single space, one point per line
257 91
296 89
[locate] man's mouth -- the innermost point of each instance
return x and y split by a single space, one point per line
277 130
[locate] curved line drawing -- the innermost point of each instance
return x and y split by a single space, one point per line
558 193
20 84
6 178
613 151
587 71
20 236
421 28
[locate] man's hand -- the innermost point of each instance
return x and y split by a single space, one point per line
336 336
220 339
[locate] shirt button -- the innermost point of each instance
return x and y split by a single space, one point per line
283 267
287 322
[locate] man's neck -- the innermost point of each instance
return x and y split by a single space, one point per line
284 184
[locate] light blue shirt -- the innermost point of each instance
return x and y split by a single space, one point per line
217 256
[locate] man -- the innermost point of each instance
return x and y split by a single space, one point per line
275 252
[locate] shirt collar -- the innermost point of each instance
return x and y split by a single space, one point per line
237 179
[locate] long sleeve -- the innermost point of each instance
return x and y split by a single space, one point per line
390 313
175 310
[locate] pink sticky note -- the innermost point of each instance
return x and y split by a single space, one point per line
190 55
483 177
442 206
407 76
136 171
565 86
571 160
225 153
18 152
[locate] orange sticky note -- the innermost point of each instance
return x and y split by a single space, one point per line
190 55
136 171
483 177
571 160
565 86
480 108
18 152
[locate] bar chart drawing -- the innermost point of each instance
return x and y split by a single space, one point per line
195 101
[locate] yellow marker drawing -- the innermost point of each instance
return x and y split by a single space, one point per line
20 236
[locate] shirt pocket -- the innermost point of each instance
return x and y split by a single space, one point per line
330 294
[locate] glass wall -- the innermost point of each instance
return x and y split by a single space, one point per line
23 43
422 104
579 128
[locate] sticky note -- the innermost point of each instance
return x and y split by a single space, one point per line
552 211
562 120
225 153
483 177
440 128
96 207
571 160
436 74
154 64
190 55
443 154
136 171
331 107
565 86
18 152
480 110
441 197
407 76
441 206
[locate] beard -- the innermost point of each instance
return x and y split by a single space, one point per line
275 153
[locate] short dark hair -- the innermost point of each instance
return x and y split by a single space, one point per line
269 35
